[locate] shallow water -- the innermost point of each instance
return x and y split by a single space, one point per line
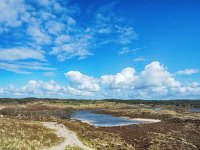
154 108
102 120
194 109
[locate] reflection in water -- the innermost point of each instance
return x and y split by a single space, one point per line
102 120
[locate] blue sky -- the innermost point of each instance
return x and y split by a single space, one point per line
100 49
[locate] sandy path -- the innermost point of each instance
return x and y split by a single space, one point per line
2 107
70 138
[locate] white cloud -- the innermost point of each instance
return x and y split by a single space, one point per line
82 81
49 74
126 50
11 12
25 67
124 79
21 53
76 47
77 92
62 39
71 21
188 72
139 59
38 88
154 82
54 27
42 88
127 34
38 35
41 26
156 75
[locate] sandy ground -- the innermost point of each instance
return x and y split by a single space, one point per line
2 107
145 120
70 138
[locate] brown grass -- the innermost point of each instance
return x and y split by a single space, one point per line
23 135
97 139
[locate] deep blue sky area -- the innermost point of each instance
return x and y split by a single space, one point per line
100 49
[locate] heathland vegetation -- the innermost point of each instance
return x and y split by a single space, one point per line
21 124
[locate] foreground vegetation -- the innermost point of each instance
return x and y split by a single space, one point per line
178 129
25 135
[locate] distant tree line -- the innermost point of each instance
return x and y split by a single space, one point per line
177 102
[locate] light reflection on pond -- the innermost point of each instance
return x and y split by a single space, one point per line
103 120
194 110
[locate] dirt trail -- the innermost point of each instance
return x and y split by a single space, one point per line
70 138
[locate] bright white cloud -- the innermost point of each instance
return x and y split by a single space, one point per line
154 82
82 81
188 72
124 79
41 88
38 88
156 75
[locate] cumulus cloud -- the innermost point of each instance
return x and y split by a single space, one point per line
82 81
124 79
154 82
42 88
38 88
156 75
188 72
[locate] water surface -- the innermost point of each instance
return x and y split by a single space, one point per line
103 120
194 109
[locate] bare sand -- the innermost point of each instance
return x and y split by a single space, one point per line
70 138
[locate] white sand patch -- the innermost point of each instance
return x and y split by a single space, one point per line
2 107
146 120
70 138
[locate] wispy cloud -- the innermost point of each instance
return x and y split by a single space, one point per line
139 59
126 50
25 67
42 23
188 72
21 53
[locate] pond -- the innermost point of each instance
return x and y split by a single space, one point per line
104 120
153 108
194 110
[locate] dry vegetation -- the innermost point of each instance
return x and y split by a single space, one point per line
178 129
96 138
23 135
73 148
